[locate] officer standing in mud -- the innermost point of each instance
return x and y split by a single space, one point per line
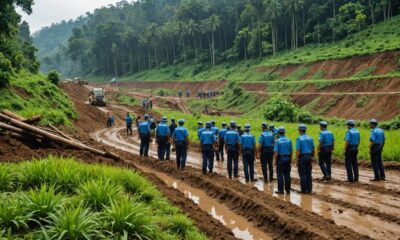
172 127
215 130
232 150
283 153
266 150
208 141
377 142
181 140
305 152
325 149
144 134
128 121
221 140
248 144
351 151
162 136
200 128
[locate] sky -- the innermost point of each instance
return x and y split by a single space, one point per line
46 12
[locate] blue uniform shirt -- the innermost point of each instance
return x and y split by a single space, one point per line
144 127
180 134
377 136
353 136
128 119
214 130
162 130
207 137
222 133
283 146
231 137
305 144
326 138
199 131
247 140
266 139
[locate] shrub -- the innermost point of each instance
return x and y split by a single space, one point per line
7 178
280 108
133 218
6 71
43 201
54 77
13 214
362 102
180 225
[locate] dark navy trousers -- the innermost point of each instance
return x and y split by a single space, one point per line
181 154
304 168
267 156
351 163
376 162
233 159
208 158
144 144
162 146
248 163
325 161
283 169
221 148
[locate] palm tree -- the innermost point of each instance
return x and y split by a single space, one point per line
192 28
213 23
293 7
273 10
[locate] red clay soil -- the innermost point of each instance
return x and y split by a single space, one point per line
194 87
341 68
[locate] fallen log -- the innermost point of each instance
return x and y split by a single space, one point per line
31 120
56 138
17 130
61 133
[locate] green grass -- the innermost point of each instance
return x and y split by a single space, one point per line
383 37
366 72
30 95
391 151
58 198
298 74
125 99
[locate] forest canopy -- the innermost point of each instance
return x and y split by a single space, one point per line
129 37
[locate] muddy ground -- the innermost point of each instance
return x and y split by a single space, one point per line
336 210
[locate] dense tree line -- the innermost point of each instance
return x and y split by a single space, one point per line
131 37
16 49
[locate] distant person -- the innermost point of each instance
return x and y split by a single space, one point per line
377 140
181 140
188 93
248 144
129 121
239 130
283 152
325 150
151 104
351 151
144 134
110 120
208 141
138 119
273 130
266 150
162 136
221 140
180 93
144 102
172 128
305 152
232 150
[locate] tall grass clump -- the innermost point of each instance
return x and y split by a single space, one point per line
8 179
43 201
133 218
13 213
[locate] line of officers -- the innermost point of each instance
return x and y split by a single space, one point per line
273 148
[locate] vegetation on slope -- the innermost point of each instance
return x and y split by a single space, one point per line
64 199
32 94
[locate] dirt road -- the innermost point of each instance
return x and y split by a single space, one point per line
335 210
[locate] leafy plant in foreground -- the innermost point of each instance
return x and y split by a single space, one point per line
134 218
7 178
13 214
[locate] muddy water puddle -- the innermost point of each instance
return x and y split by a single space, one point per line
366 224
240 227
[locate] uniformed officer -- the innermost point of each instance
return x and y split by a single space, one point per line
215 130
232 150
248 144
266 152
208 142
283 153
162 136
239 130
172 127
144 134
351 151
181 141
325 149
200 128
273 130
305 151
377 140
221 140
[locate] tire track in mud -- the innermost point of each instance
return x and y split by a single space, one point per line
266 215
